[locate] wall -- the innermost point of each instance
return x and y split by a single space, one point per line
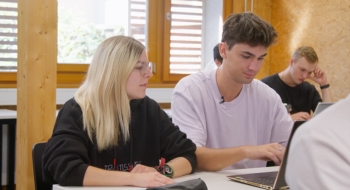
212 29
322 24
263 9
9 95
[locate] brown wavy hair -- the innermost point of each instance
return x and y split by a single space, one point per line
247 28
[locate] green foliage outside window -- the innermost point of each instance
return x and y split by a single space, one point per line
78 38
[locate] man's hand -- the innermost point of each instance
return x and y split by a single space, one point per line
319 77
300 116
267 152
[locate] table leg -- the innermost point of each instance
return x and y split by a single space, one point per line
1 153
11 157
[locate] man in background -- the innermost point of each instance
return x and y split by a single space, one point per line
234 120
290 84
217 56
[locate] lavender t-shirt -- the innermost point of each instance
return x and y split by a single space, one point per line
256 117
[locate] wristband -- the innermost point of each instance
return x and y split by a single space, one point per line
324 86
160 168
168 171
165 170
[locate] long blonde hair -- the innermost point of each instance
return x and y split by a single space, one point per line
103 97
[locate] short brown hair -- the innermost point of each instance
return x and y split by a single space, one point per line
247 28
307 52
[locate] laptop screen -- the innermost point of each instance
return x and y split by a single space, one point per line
322 106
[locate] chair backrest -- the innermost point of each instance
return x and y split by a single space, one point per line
37 152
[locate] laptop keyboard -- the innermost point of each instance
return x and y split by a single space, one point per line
264 181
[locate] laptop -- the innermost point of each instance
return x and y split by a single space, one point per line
269 180
322 106
288 107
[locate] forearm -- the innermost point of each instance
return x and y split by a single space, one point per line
181 166
326 95
217 159
99 177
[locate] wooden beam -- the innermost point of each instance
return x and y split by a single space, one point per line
227 8
239 6
36 82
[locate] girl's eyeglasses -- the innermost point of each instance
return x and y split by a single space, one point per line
143 67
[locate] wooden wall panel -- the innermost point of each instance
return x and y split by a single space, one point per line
262 8
36 82
227 8
239 6
285 20
321 24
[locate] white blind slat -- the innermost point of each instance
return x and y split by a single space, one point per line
185 36
138 20
8 34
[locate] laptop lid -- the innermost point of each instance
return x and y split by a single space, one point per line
280 180
279 177
288 107
322 106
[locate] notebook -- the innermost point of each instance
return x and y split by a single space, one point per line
322 106
269 180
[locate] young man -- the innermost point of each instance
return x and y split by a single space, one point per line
235 121
319 156
290 84
217 56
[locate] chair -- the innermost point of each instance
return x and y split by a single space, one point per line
37 152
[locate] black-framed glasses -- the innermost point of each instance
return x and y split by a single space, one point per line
143 66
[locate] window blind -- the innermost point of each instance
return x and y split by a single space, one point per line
8 34
138 9
185 36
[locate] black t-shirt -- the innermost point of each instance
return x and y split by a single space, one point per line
303 97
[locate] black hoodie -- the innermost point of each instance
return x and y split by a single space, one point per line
153 136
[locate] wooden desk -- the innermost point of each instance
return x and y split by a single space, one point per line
214 180
9 117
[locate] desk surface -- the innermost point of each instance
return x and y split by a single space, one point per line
214 180
8 114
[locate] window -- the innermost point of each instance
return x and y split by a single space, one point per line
170 29
8 35
185 36
138 18
84 24
182 38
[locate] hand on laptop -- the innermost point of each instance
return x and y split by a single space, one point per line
300 116
267 152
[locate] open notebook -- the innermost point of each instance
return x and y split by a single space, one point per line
269 180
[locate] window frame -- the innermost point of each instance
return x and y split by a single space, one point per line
167 76
72 75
